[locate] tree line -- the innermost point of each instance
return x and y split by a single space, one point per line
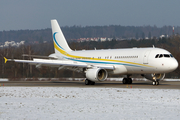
76 32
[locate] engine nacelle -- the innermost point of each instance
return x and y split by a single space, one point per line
96 74
154 77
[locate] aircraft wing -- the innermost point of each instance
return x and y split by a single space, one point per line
47 62
59 63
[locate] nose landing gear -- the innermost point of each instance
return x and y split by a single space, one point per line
155 83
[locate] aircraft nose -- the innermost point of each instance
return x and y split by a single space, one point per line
174 65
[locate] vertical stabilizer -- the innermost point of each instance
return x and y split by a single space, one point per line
60 42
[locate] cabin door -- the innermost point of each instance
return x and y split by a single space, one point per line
146 55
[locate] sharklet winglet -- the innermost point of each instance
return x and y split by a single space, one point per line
5 60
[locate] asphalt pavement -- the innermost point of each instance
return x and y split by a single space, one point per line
81 84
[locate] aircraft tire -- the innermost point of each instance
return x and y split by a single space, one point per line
87 82
129 80
125 81
92 83
156 83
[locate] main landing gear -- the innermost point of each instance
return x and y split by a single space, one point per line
88 82
127 80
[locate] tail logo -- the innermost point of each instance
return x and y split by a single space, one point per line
56 40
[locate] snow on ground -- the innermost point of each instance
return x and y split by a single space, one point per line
88 103
3 79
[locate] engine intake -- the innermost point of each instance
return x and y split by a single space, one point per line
96 74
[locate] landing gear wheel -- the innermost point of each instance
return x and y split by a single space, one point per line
127 81
88 82
124 81
92 83
156 83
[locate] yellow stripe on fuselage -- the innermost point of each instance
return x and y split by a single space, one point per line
90 58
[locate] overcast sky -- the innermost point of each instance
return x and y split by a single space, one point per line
36 14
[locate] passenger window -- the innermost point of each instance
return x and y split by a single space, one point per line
160 56
166 55
157 56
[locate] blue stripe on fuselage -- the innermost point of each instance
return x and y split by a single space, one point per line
87 61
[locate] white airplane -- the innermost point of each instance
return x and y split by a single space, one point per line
152 63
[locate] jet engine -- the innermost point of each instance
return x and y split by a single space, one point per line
96 74
154 77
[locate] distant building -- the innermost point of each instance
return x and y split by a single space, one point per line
146 38
103 39
12 43
162 36
109 39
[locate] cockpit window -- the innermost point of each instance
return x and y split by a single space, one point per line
164 55
171 55
161 55
157 56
